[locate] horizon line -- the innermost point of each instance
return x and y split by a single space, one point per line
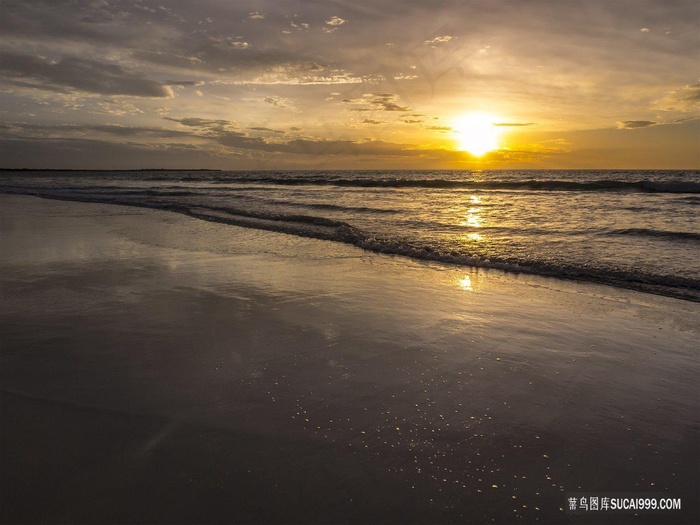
326 169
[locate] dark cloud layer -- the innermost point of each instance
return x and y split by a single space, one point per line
203 122
83 153
634 124
44 130
74 73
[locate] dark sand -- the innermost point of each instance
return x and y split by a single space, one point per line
161 369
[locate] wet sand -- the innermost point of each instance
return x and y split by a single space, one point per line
161 369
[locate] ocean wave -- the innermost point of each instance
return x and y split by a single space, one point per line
339 231
326 229
157 193
647 232
337 207
319 205
646 186
682 183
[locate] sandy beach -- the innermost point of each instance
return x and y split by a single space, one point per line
157 368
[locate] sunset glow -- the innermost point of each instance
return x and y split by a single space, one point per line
350 261
117 84
476 133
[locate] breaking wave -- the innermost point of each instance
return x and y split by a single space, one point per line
323 228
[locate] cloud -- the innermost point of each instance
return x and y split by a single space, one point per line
544 53
686 119
117 107
387 102
215 126
330 147
377 101
294 75
224 132
167 59
513 124
82 153
238 140
183 83
73 73
373 122
268 130
278 102
85 153
438 40
21 129
129 131
686 98
335 21
51 20
635 124
223 55
157 36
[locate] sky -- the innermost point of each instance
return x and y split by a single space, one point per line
335 84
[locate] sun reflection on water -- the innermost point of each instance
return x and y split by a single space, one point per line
474 219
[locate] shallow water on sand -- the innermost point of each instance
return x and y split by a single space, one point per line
363 387
633 229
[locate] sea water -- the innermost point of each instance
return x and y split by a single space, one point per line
633 229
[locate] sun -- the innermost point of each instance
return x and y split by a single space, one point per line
477 133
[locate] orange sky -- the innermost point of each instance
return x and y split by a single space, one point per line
349 85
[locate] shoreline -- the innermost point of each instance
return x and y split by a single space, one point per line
178 370
415 254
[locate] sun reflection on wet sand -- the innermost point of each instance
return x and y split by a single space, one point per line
465 283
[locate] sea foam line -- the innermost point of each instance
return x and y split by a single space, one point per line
644 186
339 231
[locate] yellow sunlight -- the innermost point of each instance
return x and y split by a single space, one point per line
476 133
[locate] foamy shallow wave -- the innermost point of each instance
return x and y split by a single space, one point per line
631 228
647 232
324 228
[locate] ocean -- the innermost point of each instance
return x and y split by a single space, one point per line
159 368
624 228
